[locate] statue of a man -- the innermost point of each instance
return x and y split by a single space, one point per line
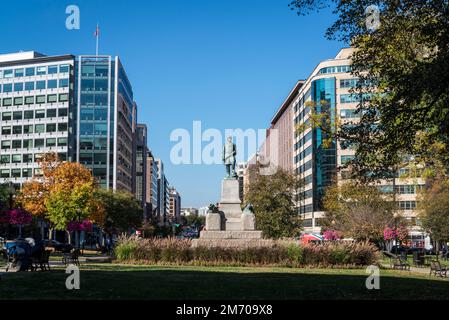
229 153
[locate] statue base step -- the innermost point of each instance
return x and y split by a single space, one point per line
232 243
230 234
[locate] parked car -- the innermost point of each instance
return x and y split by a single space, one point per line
58 246
410 250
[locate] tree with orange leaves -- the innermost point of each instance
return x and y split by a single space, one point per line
63 193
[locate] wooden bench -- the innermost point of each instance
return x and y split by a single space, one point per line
401 264
71 258
437 269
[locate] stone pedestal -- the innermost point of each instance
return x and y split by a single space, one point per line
213 221
230 227
230 204
248 222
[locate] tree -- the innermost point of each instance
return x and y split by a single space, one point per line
273 197
123 211
195 219
4 196
434 210
77 204
62 194
358 210
403 70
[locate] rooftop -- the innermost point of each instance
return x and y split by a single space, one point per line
17 56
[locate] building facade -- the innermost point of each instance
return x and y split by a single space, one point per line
106 113
280 135
152 196
37 112
327 90
163 195
140 174
174 204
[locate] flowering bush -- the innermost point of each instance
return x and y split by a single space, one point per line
331 235
18 217
85 225
400 233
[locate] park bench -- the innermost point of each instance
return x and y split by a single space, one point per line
401 264
437 269
42 261
71 258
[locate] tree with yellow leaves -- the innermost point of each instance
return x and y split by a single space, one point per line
62 194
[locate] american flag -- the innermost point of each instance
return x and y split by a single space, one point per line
97 31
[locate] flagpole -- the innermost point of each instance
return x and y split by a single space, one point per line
98 35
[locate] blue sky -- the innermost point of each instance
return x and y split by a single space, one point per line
226 63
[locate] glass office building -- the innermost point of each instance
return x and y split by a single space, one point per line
106 119
318 159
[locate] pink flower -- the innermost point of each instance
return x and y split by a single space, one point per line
400 233
19 217
85 225
331 235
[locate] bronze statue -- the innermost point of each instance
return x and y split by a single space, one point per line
229 158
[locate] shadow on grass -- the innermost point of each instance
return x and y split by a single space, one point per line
187 284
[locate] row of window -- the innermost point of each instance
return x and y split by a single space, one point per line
93 158
402 205
308 179
303 100
34 71
304 154
303 140
37 128
306 209
20 101
28 158
349 114
301 115
34 114
401 189
407 205
352 98
97 143
306 194
34 85
30 143
306 166
337 69
348 83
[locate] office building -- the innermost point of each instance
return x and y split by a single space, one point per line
140 174
37 112
152 196
327 90
163 195
107 116
81 108
174 204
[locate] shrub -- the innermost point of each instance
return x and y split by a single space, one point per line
279 253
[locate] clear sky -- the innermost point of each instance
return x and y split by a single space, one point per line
227 63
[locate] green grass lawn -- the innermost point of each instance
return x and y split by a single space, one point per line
112 281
